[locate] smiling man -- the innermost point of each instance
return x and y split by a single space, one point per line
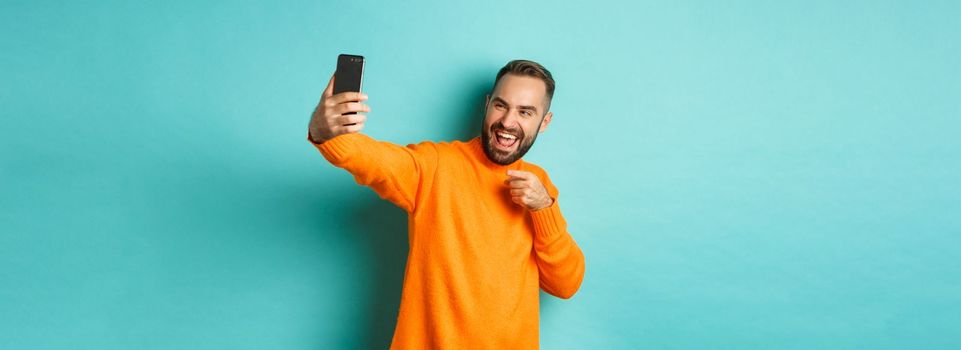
485 228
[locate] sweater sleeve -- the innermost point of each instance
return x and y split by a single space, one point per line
560 261
394 172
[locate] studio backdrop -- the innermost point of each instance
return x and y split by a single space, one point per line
739 175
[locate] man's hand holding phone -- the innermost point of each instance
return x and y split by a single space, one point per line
335 116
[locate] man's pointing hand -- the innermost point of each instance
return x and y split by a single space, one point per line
527 190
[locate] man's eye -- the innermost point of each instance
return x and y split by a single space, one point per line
499 106
526 113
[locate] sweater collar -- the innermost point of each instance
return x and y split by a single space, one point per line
477 149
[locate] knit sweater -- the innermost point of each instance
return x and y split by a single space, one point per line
476 258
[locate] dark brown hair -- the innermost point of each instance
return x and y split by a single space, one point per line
530 69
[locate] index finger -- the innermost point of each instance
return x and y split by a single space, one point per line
520 174
348 96
516 178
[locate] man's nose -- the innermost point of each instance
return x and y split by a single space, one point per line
511 119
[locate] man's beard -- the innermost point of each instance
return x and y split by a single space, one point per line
502 157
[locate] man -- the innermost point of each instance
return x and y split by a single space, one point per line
485 229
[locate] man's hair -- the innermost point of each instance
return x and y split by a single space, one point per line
530 69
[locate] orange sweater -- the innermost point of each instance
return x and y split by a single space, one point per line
476 258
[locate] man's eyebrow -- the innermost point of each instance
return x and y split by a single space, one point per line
498 99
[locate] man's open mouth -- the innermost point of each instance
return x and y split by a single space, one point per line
505 140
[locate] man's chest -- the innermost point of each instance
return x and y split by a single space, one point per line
477 209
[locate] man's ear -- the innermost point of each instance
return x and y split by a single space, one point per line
545 121
487 101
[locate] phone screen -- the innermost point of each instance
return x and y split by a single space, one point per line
350 70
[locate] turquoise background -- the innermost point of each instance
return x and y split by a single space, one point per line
740 175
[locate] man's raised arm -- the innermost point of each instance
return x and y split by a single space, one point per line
393 171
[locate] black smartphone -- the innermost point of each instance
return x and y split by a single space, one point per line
350 72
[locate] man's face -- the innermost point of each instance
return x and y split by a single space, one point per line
514 117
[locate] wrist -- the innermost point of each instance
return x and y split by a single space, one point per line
314 139
550 202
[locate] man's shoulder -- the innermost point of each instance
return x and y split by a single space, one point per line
451 143
444 151
445 148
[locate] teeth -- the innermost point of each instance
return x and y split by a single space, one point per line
506 136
